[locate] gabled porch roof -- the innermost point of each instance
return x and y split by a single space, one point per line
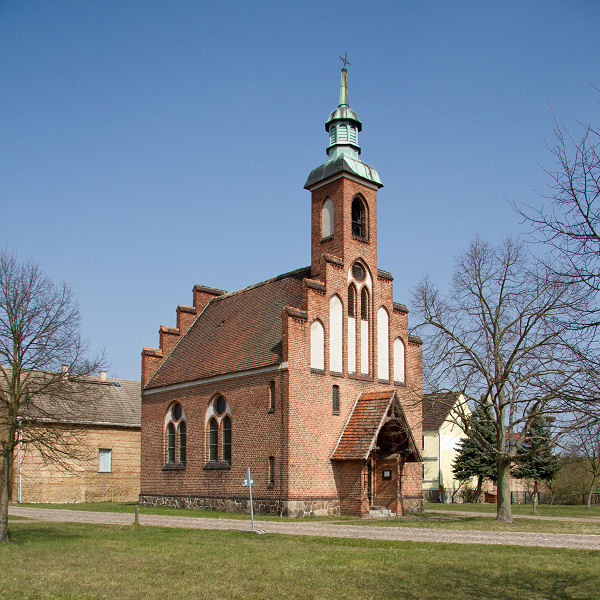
371 411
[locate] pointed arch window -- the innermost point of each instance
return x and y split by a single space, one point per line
213 450
218 433
227 440
175 436
364 304
182 442
352 300
171 443
359 224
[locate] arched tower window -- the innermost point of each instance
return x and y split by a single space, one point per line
359 223
352 300
364 304
364 330
327 218
317 345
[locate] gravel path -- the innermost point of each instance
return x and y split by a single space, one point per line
534 517
323 529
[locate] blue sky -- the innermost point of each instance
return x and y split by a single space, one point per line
148 146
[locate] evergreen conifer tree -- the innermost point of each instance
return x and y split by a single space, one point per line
535 459
475 457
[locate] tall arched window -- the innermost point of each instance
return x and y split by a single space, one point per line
359 224
352 300
227 439
336 316
327 218
171 443
175 434
218 420
182 442
364 330
317 345
364 304
351 328
398 360
213 450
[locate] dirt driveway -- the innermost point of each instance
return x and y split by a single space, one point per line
323 529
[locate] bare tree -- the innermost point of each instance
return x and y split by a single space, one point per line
502 338
41 368
569 229
570 226
584 443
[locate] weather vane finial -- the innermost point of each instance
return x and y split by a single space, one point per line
345 60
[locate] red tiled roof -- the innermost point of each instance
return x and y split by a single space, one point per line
363 424
235 332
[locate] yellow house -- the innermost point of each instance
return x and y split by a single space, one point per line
441 435
106 434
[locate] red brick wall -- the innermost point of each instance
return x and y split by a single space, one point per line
256 435
303 437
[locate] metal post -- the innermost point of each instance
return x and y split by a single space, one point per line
137 515
249 478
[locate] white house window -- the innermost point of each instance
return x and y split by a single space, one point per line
104 460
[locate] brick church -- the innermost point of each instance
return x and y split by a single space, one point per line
310 378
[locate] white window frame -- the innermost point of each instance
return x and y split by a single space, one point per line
104 460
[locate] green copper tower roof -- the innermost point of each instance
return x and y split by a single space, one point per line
343 127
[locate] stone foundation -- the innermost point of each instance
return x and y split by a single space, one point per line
413 505
263 506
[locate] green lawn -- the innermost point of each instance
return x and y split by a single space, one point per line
60 561
543 510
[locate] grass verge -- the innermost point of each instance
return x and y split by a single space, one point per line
49 560
543 510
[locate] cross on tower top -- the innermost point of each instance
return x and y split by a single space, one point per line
345 60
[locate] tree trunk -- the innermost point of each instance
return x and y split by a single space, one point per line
588 503
4 479
503 506
478 488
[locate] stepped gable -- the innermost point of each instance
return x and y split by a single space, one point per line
237 331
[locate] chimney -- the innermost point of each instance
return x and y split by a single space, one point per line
102 375
64 369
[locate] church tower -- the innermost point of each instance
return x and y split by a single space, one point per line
344 194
